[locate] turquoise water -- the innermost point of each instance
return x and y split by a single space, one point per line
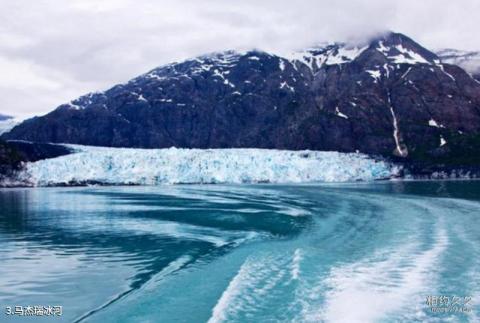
246 253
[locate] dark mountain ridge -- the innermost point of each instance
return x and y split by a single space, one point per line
392 98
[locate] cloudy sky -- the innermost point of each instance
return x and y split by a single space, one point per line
52 51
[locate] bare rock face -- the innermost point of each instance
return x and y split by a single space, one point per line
10 160
14 155
391 97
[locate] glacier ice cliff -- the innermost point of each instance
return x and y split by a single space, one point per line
119 166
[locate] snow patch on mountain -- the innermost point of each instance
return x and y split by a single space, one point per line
443 142
340 114
434 123
332 54
218 66
401 55
287 86
376 75
175 166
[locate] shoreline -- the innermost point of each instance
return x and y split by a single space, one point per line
390 180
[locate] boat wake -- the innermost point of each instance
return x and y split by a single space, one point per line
364 252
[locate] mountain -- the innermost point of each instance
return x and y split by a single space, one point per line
391 97
4 117
14 155
10 161
468 60
7 123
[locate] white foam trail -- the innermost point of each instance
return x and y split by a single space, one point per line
473 276
295 212
469 236
297 258
281 202
251 286
181 231
369 290
224 304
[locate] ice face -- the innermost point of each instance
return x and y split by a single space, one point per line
174 166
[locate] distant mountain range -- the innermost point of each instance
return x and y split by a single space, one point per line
6 123
468 60
4 117
391 97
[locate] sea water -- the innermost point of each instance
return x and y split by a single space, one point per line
363 252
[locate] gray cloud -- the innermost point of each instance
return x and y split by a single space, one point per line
52 51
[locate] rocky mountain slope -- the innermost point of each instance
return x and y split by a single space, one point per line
14 155
391 97
10 161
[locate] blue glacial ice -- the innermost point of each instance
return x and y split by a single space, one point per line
180 166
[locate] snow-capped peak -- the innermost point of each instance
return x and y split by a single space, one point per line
400 49
332 54
400 54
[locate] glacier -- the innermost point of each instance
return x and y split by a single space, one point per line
127 166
